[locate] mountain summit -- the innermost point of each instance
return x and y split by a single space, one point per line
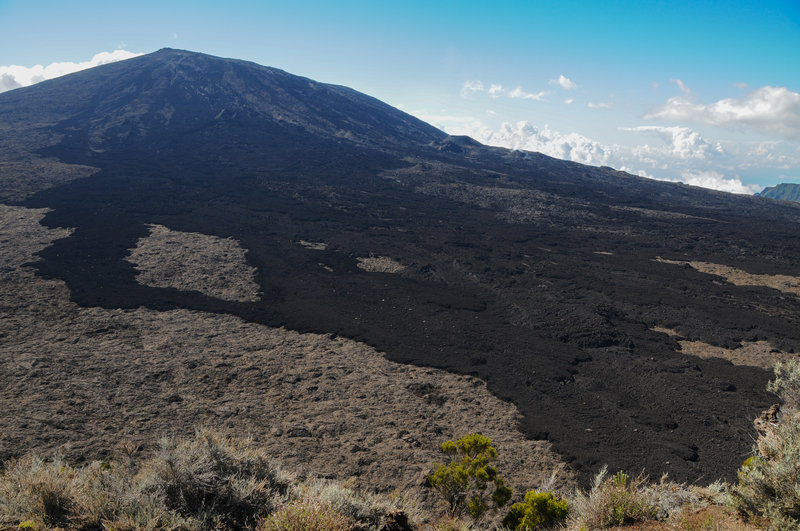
174 92
631 322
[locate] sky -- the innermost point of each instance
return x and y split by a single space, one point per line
703 92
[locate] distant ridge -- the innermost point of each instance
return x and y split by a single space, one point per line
785 191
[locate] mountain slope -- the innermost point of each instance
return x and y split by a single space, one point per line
583 295
785 191
122 102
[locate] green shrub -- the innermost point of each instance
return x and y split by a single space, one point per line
464 480
540 509
768 490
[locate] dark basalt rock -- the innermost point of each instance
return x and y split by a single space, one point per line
534 274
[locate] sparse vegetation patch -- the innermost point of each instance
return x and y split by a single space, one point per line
379 264
738 277
751 353
214 266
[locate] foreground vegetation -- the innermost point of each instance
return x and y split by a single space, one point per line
218 482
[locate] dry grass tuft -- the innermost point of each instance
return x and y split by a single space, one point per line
307 515
379 264
210 481
614 500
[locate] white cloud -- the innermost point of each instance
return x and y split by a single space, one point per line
602 105
496 90
564 82
717 181
771 110
684 88
569 101
519 93
525 136
8 82
470 87
682 155
681 142
15 76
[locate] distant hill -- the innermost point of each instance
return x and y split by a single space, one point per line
785 191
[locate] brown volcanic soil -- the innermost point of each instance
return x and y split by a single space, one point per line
785 283
79 381
749 353
190 261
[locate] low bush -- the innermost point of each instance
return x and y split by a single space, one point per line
768 482
540 509
39 493
214 479
369 511
206 482
615 500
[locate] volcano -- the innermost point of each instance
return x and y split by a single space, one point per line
631 322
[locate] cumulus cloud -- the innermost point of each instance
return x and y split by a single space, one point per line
569 101
496 90
601 105
770 110
564 82
681 142
716 181
14 76
680 155
8 82
528 137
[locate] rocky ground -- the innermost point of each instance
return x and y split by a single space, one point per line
81 381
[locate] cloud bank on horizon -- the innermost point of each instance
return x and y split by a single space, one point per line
771 110
13 76
670 151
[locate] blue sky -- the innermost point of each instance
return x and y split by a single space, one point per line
703 92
